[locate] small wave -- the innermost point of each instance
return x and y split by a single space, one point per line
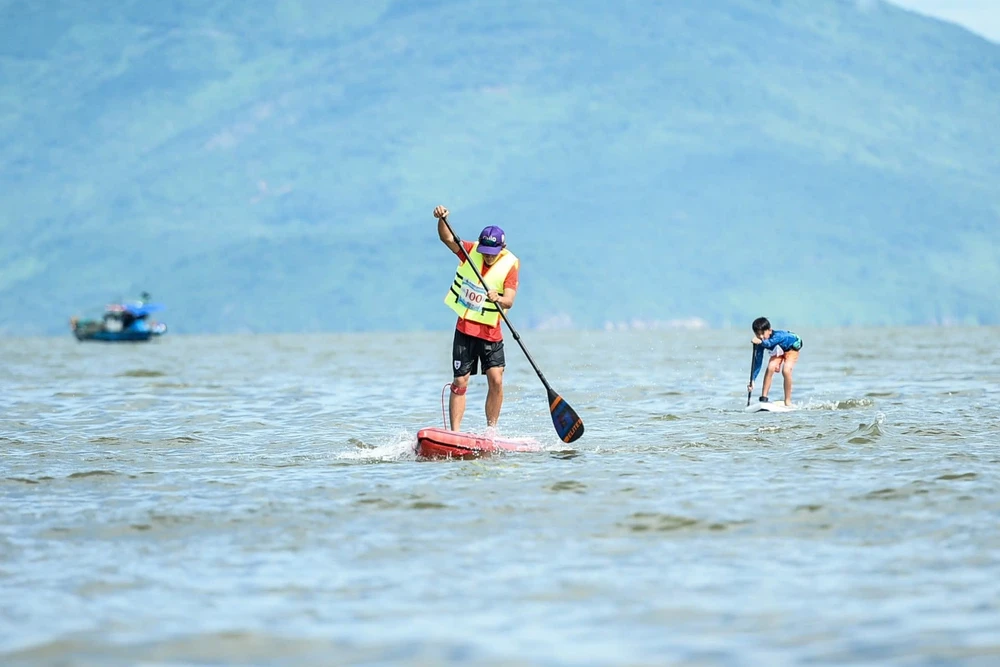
92 473
641 522
426 505
933 430
866 434
569 485
957 476
845 404
885 494
141 373
182 440
377 503
399 446
693 444
809 508
106 440
564 454
415 503
917 488
158 519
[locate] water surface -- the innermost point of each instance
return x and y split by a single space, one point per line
256 500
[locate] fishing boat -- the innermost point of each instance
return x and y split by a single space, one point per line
128 322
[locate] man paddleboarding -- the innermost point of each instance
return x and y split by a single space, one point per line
478 337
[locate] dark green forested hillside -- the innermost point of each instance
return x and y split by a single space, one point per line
273 166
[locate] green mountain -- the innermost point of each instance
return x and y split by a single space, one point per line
265 166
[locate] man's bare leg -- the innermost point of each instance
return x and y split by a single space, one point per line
494 395
456 404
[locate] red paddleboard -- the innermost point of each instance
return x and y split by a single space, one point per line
440 443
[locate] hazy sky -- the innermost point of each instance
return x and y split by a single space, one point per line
979 16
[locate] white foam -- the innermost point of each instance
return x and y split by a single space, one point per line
845 404
400 445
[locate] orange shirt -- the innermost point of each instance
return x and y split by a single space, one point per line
478 329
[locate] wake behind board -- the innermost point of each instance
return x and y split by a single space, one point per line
768 407
440 443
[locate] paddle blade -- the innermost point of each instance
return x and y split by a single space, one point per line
568 424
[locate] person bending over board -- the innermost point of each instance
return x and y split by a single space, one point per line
784 347
478 337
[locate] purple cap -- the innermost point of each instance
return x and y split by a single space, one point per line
491 241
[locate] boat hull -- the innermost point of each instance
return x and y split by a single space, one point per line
114 336
87 330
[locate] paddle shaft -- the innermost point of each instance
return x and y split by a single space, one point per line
753 358
510 326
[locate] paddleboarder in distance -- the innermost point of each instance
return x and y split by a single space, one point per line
784 347
478 338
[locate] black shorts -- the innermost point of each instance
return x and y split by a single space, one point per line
467 351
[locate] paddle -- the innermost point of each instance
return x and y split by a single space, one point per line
568 424
753 358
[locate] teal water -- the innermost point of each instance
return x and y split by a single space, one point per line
255 500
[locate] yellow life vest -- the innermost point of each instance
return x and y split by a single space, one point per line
467 297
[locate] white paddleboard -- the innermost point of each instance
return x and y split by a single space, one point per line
757 406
